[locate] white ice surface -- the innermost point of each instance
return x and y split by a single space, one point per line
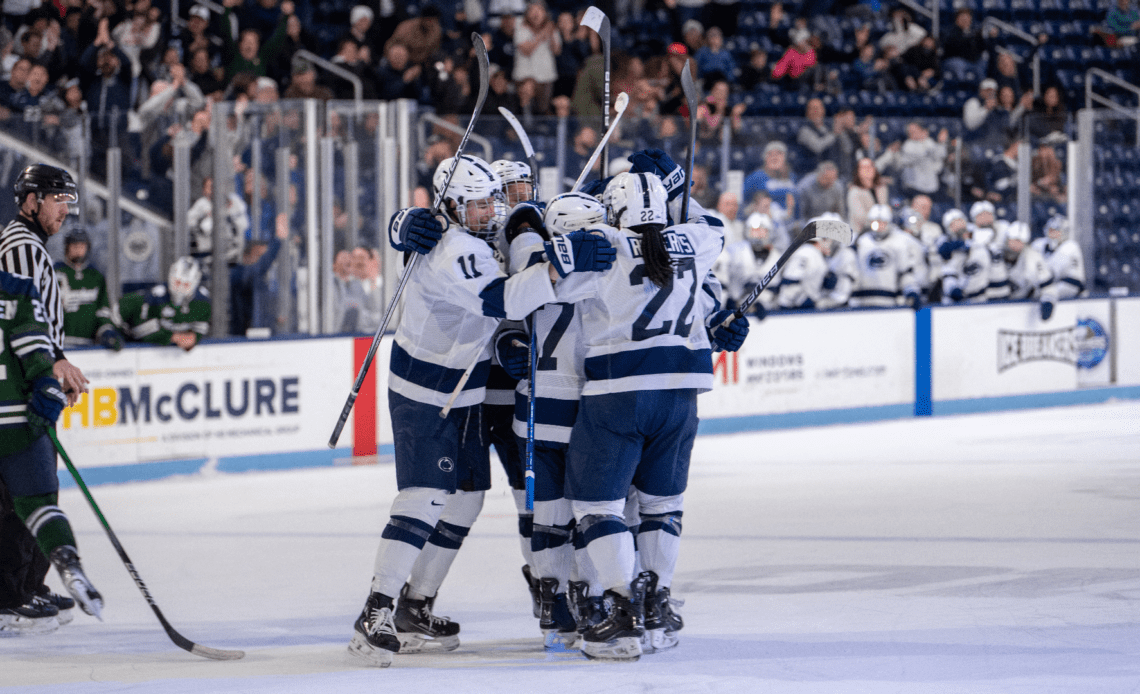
985 553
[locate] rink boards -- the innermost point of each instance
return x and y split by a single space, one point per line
232 406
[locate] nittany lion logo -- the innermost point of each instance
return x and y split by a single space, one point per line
446 464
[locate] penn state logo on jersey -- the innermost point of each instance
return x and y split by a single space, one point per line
446 464
877 260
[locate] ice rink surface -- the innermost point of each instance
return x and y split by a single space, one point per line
982 553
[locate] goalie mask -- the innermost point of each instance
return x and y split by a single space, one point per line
573 211
518 180
632 199
185 276
474 198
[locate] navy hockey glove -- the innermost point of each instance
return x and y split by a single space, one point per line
758 310
1046 310
808 304
956 294
514 359
596 187
913 299
580 251
525 217
414 229
656 161
728 338
947 248
46 403
830 280
111 339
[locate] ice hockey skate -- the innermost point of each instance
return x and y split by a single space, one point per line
661 619
374 639
64 604
419 630
618 636
35 617
532 586
66 562
559 630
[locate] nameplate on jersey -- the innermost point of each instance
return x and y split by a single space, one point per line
675 242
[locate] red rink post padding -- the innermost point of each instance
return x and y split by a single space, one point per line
364 413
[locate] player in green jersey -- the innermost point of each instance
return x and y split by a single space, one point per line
87 317
30 402
174 313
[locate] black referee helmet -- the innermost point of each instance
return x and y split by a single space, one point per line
44 179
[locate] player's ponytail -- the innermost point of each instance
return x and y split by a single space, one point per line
658 263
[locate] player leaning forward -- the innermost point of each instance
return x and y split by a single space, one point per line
453 304
43 194
648 355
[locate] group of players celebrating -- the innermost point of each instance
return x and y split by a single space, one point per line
912 262
614 294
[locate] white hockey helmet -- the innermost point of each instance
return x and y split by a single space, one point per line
1059 224
1017 231
573 211
910 220
879 219
518 180
632 199
979 208
474 198
759 220
183 280
951 219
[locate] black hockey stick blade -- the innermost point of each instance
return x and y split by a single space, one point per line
833 229
484 84
692 98
528 148
178 639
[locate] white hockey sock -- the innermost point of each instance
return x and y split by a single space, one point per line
553 548
608 542
433 563
412 520
659 538
526 525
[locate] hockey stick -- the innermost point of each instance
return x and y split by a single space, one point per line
619 106
598 21
484 83
818 229
692 97
533 347
178 639
528 149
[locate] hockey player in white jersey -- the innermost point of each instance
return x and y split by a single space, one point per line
986 230
1028 272
1065 261
918 253
499 405
558 386
518 181
802 279
965 270
742 264
453 303
648 354
886 273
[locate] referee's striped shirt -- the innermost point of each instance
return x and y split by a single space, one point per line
22 252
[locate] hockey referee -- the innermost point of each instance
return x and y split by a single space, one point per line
43 195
